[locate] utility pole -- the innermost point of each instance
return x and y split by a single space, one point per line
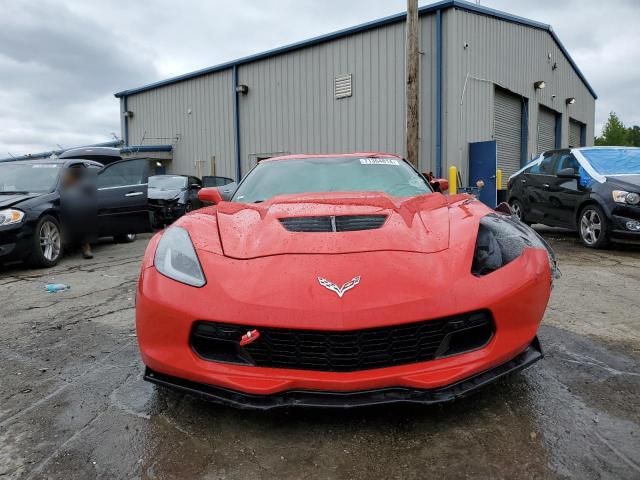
412 86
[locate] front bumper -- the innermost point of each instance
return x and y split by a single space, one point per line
326 399
15 242
516 295
619 231
166 213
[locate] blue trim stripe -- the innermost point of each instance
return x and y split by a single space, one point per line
524 131
146 148
126 121
236 124
558 130
400 17
438 161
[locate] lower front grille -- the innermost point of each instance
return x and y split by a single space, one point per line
343 351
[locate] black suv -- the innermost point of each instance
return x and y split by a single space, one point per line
40 211
594 190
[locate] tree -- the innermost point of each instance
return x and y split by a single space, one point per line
613 132
633 135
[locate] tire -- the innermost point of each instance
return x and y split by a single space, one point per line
188 207
128 238
593 227
47 246
518 210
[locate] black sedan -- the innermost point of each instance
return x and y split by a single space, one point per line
45 204
594 190
171 196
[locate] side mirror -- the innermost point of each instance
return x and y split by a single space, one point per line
567 173
228 190
211 195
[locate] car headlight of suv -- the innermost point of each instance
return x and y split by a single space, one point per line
10 216
501 239
176 258
621 196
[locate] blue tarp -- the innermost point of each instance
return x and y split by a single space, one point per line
613 161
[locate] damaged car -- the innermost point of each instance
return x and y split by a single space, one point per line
171 196
592 190
340 281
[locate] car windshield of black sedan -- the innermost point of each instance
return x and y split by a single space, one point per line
167 182
614 161
28 177
340 174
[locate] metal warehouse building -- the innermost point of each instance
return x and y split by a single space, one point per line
480 80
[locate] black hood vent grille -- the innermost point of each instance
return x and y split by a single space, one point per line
340 223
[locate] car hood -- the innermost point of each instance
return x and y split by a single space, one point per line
12 200
162 194
415 224
629 182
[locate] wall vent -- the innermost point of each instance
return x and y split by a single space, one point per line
342 86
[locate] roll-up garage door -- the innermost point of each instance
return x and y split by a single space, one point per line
575 133
546 130
507 130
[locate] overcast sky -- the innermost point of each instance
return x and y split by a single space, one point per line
61 61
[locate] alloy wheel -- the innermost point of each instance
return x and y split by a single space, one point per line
517 210
590 226
50 241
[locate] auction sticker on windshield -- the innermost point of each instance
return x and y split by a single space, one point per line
379 161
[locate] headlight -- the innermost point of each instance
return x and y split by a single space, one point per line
620 196
502 239
176 258
10 216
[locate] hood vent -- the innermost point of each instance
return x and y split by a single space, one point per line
341 223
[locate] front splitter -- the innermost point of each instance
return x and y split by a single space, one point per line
322 399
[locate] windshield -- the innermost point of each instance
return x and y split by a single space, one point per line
167 182
614 161
341 174
28 178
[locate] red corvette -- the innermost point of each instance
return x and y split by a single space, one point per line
340 281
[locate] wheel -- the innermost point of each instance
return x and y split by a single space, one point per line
518 210
128 238
188 207
593 227
47 243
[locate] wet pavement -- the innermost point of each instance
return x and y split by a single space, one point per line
73 404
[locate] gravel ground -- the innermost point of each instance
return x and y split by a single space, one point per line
73 404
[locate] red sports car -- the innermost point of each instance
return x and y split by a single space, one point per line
339 281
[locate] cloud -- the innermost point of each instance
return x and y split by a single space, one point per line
61 62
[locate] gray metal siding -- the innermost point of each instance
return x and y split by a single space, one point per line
546 134
575 133
291 107
509 55
161 116
507 131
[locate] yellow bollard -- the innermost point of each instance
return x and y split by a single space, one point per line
498 179
453 180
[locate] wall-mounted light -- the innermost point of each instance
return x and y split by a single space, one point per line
243 89
127 114
158 164
570 100
539 85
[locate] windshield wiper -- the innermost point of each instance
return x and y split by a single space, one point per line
14 192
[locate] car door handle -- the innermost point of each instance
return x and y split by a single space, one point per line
523 180
545 186
134 194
